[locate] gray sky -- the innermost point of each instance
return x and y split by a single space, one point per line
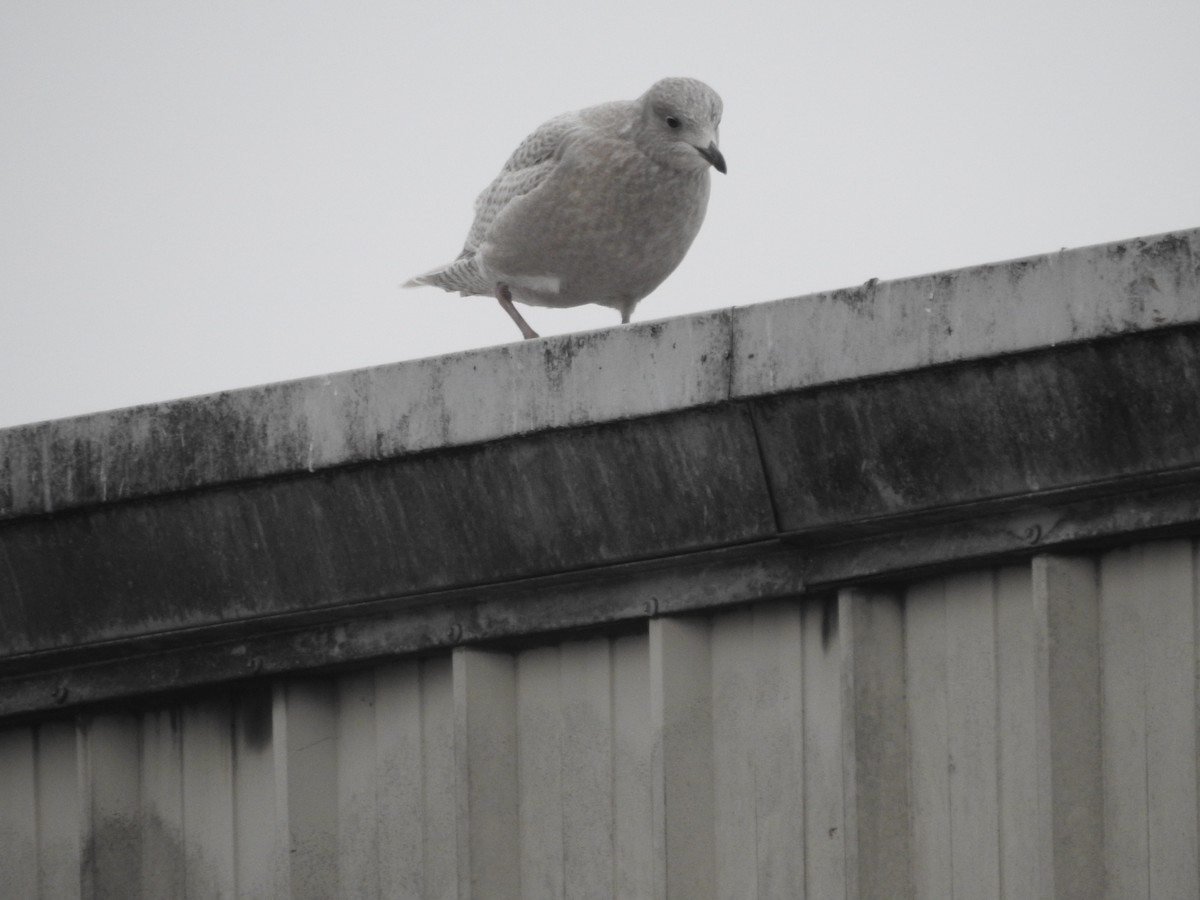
203 196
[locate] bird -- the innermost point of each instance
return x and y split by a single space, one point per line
597 206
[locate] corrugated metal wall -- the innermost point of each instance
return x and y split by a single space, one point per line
1016 732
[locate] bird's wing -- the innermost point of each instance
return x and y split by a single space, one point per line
530 165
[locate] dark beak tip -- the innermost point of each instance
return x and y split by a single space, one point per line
714 157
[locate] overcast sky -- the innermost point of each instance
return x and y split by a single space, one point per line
207 195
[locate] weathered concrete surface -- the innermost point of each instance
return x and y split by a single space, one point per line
496 512
1086 414
1006 307
369 414
866 444
601 376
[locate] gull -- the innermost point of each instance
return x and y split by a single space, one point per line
596 206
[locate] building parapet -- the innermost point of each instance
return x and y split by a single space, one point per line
587 480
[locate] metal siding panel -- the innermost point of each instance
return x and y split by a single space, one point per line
485 752
112 807
633 827
728 731
256 807
58 811
440 775
929 736
587 767
734 722
540 682
823 787
682 762
1124 726
401 776
163 869
1168 604
875 744
18 812
1196 645
1017 751
1070 860
358 833
208 820
777 750
971 717
758 738
309 767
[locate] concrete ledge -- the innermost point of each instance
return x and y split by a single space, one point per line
553 502
602 376
584 480
1007 307
1104 412
366 415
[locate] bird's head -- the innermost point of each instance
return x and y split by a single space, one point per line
679 123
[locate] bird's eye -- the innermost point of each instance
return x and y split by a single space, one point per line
673 122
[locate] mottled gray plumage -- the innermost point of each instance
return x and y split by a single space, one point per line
596 206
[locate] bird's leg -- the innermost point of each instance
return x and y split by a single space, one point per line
504 295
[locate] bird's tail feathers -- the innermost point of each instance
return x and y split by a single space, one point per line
429 278
462 275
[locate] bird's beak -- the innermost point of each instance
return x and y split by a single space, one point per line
713 155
